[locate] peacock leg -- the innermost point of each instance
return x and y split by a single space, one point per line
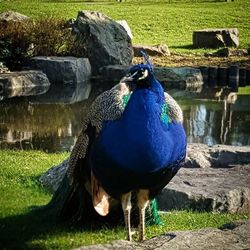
126 207
142 202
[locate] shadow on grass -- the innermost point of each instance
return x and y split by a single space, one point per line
17 232
187 46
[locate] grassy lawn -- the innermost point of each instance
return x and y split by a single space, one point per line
20 189
152 22
244 91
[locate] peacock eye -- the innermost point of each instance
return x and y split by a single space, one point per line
140 72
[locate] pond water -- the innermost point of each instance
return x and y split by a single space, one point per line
55 127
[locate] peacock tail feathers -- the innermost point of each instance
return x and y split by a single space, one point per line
153 217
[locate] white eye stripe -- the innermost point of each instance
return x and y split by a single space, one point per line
145 75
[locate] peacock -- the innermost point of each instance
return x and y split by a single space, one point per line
131 145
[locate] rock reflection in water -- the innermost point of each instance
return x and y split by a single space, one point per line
50 127
55 127
213 122
202 120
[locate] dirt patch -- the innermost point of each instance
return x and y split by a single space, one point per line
177 60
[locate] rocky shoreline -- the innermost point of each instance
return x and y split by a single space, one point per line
215 179
232 236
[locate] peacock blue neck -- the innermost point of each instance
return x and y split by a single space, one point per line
144 99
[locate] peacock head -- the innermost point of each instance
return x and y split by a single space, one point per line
141 74
138 75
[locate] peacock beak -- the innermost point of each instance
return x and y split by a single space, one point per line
129 78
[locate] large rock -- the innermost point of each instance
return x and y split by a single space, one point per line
214 38
69 77
63 70
23 83
125 25
216 156
107 42
183 78
156 50
228 52
231 236
217 190
11 16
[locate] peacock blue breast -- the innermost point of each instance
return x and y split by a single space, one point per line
142 140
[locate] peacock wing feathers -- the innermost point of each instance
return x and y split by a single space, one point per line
73 200
173 110
107 106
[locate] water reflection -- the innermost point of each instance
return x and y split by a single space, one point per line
55 127
50 127
202 120
213 122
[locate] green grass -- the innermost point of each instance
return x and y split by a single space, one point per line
244 91
152 22
20 189
19 173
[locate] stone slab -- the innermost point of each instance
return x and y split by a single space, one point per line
69 77
216 190
210 180
156 50
12 16
182 78
232 236
216 156
23 83
214 38
63 70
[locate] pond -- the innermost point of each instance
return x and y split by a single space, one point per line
55 127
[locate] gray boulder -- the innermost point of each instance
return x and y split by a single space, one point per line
69 77
182 78
216 190
107 42
216 156
227 52
63 70
214 38
12 16
156 50
232 236
23 83
125 25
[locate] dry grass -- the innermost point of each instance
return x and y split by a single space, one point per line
191 60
